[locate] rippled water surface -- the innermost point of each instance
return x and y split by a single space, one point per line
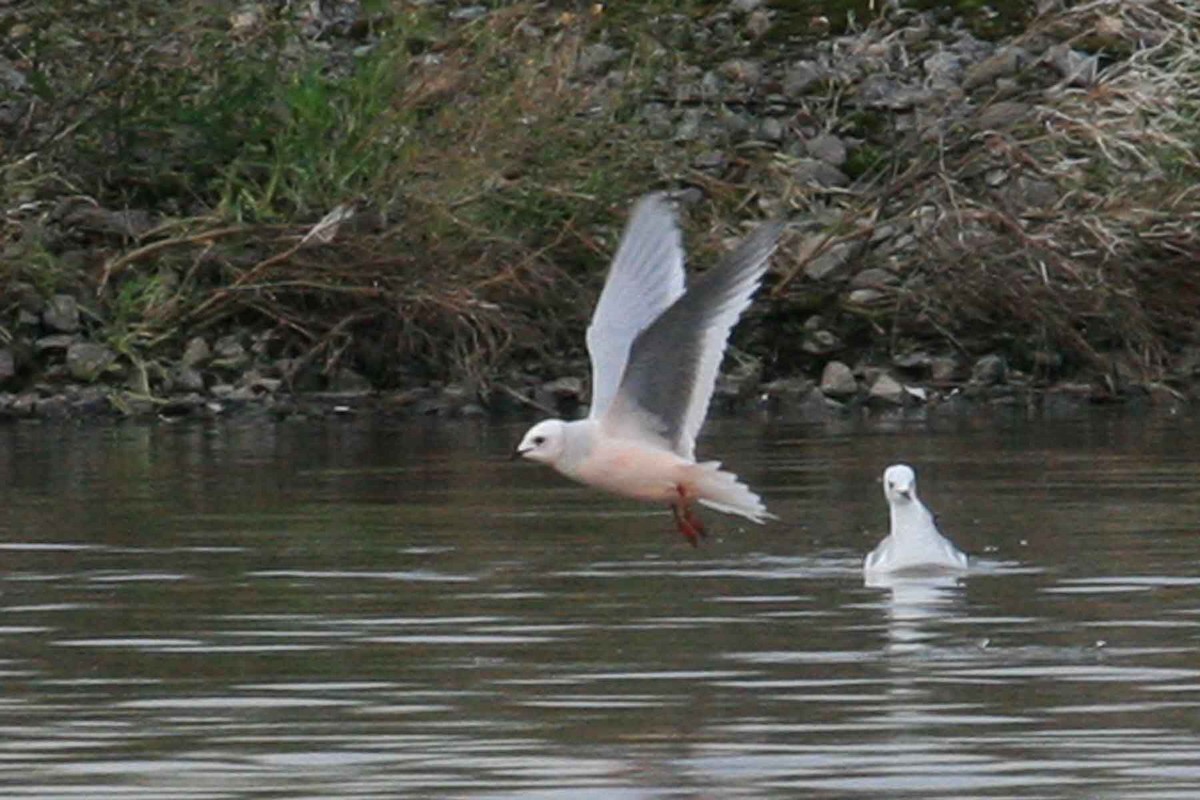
356 609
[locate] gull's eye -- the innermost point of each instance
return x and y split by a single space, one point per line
539 440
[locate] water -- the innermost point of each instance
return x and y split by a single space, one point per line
341 609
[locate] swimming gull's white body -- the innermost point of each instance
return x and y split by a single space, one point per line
914 542
655 350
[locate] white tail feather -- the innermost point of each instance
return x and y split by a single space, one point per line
723 491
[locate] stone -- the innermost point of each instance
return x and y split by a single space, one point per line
837 380
887 390
866 297
943 369
820 343
58 343
87 361
710 161
187 378
468 13
1002 115
989 370
1001 64
831 264
229 353
567 388
595 58
943 69
347 381
196 352
689 125
745 6
800 77
827 148
61 314
758 23
788 388
874 278
771 129
1077 69
1032 193
815 172
916 361
743 71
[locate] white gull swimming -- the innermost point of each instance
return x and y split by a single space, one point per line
914 542
655 349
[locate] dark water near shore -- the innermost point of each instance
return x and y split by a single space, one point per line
350 610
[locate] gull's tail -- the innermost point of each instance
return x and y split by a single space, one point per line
723 491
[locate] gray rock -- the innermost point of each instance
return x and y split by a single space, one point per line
874 278
943 69
943 369
187 378
58 343
915 361
8 365
1033 193
815 172
837 380
196 352
61 314
989 370
743 71
1002 115
820 343
53 407
595 58
11 78
800 77
689 125
880 91
758 23
832 264
866 297
1077 69
711 86
24 405
468 13
788 388
771 129
887 390
567 388
87 361
1001 64
348 381
658 119
710 161
745 6
828 148
230 353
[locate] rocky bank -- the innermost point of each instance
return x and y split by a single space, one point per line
974 222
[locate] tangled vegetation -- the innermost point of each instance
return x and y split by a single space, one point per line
421 194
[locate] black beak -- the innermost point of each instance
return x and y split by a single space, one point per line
516 453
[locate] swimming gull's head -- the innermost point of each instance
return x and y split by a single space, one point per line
900 484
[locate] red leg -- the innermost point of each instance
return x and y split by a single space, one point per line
688 523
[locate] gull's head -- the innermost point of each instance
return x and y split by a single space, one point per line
543 442
900 484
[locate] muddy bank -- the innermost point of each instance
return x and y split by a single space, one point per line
974 221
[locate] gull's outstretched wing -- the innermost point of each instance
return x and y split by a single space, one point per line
673 363
645 278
